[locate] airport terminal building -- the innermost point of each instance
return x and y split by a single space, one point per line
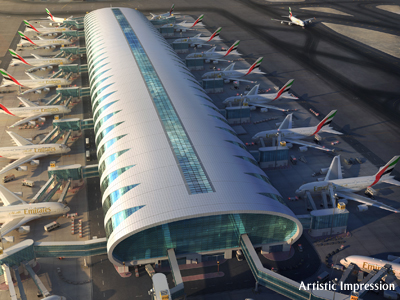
173 173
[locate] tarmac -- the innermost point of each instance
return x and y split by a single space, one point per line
327 10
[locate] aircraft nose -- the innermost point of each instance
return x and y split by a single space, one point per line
67 209
299 192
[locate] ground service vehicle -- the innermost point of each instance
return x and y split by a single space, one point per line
51 226
8 178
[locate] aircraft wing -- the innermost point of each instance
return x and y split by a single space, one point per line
331 130
19 162
366 201
19 140
283 21
267 106
287 95
26 102
26 120
42 66
15 223
307 144
238 79
47 86
9 198
308 20
390 180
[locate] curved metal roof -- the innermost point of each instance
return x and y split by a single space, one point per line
163 140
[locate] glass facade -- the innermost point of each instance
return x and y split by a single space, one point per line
191 168
101 99
227 130
109 160
219 118
260 176
322 222
111 177
205 234
114 196
118 218
274 155
237 144
105 131
98 113
106 145
275 197
97 92
101 122
248 159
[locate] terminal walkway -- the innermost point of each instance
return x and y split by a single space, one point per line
178 290
378 276
71 249
278 283
19 281
9 282
346 274
36 280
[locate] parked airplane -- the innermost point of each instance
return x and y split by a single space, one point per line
368 264
16 212
38 61
55 19
32 111
294 20
43 43
199 41
253 98
163 16
46 30
215 56
229 74
36 82
294 135
343 188
183 26
26 151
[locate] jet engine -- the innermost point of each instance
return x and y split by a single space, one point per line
199 46
362 208
22 168
207 61
41 119
289 145
24 229
35 162
215 62
183 30
53 47
264 109
8 239
303 148
227 81
38 91
50 68
46 90
47 48
42 69
32 123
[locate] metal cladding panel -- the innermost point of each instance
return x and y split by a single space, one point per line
162 188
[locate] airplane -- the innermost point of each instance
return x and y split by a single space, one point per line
43 43
16 212
36 83
198 41
368 264
343 188
42 63
55 19
26 151
45 30
216 56
32 111
294 135
183 26
163 16
294 20
229 74
253 98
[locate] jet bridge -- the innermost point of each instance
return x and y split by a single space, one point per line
20 286
65 191
178 290
346 274
36 280
73 50
43 190
52 192
9 281
311 200
378 276
48 137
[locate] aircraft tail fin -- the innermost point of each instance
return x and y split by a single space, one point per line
3 108
215 34
16 56
386 170
50 15
211 50
25 38
230 67
325 122
255 66
335 170
290 12
233 47
172 9
29 25
287 123
284 89
198 21
254 90
8 78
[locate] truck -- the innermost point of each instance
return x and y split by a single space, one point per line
51 226
149 269
323 277
29 183
8 178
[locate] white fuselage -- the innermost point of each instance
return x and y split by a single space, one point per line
10 212
37 62
224 74
35 83
24 112
48 42
367 264
49 29
354 184
57 20
256 99
193 40
293 133
296 21
208 55
17 152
